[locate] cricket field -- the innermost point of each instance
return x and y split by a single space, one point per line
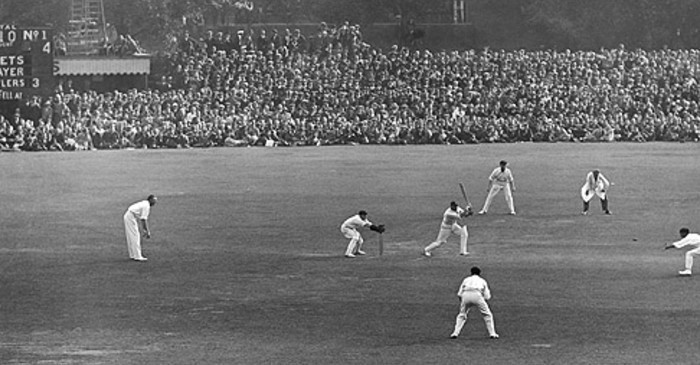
246 260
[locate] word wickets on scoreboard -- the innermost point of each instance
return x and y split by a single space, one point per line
26 62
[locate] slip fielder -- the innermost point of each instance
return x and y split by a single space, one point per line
596 184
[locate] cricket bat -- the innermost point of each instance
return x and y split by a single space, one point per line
381 244
464 194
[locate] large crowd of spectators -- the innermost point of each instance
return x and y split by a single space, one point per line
255 87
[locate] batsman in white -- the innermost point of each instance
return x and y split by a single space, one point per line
138 212
474 292
500 179
350 227
687 239
450 224
596 184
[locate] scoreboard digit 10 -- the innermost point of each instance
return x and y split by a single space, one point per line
26 62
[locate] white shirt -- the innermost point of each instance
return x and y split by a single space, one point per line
692 239
598 185
477 284
355 222
451 217
140 209
501 177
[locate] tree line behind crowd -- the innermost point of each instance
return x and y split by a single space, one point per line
572 24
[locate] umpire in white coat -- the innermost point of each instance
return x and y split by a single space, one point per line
138 213
596 185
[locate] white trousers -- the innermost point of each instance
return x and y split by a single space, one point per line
356 240
495 188
445 233
133 235
474 299
689 258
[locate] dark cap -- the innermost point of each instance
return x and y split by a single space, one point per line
475 271
362 212
504 162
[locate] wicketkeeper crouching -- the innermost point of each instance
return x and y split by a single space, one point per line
349 229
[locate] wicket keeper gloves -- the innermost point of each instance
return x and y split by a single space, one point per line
379 229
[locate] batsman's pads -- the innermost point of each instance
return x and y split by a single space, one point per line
379 229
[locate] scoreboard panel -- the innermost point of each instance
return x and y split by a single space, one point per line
26 62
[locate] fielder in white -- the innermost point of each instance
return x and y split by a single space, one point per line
687 239
349 229
596 184
474 292
450 224
500 179
138 212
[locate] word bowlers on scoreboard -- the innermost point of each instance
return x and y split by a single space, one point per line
26 62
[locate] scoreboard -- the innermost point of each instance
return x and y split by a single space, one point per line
26 62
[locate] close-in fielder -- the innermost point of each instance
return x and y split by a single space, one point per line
450 224
500 179
350 227
474 292
596 184
138 212
687 239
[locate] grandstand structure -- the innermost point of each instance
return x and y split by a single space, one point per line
428 23
85 61
86 27
248 12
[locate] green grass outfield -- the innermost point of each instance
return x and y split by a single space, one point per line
246 267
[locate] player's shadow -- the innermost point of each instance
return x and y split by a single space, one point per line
107 262
323 257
